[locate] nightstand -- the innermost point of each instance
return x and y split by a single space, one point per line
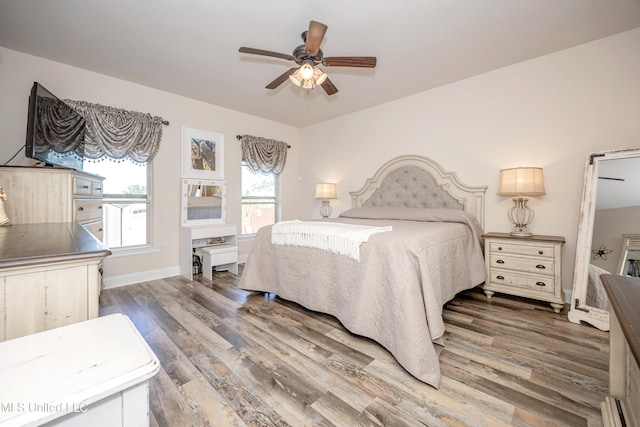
529 267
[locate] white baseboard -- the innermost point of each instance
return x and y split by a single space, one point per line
143 276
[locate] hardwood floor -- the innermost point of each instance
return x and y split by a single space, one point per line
231 358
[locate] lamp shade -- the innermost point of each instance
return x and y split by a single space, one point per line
325 191
521 182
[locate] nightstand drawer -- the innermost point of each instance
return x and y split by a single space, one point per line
529 265
522 249
541 284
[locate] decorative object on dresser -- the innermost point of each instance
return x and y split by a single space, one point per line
620 407
4 219
527 267
395 291
326 192
47 195
610 209
520 182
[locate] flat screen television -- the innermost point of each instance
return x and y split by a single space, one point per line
55 131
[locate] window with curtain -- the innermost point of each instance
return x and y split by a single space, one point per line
120 146
259 200
263 160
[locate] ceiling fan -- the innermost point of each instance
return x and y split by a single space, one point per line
308 56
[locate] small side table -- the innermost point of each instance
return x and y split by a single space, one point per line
529 267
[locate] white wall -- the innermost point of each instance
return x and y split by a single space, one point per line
17 74
548 112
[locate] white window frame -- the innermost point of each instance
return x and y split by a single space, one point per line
149 246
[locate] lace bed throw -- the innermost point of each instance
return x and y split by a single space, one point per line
337 238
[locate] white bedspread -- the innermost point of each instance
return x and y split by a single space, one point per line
335 237
396 293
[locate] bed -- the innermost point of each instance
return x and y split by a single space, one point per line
395 292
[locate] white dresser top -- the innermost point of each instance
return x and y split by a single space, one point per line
46 375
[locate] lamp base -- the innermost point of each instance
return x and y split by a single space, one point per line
520 216
325 209
521 232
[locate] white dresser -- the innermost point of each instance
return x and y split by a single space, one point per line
93 373
525 266
48 194
622 405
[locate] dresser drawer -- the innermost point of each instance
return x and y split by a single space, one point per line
82 186
96 188
86 210
87 187
521 249
96 228
528 265
542 284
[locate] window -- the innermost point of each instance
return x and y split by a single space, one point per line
259 200
127 203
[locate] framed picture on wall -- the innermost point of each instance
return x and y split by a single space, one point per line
202 154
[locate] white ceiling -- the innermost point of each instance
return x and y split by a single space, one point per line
190 47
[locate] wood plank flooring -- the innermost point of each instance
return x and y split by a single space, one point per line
231 358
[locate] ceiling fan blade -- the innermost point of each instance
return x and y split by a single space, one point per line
610 178
329 87
315 36
266 53
281 79
350 61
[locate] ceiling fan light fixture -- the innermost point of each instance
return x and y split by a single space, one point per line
319 76
306 71
295 78
309 84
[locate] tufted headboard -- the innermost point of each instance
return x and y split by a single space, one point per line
419 182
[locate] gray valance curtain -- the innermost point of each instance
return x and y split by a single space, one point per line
263 155
114 133
58 127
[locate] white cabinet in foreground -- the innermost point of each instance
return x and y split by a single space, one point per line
93 373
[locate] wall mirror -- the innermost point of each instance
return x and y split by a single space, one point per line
609 219
203 202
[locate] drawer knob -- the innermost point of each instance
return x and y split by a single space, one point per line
100 207
100 229
98 188
540 266
499 248
499 261
541 252
80 208
500 277
85 186
540 284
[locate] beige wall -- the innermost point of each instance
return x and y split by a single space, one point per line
548 112
17 74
